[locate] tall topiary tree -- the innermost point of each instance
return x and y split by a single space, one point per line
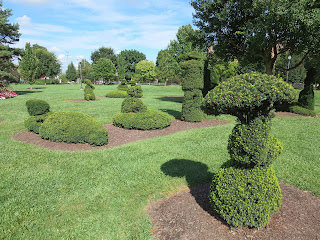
29 65
245 191
192 85
88 91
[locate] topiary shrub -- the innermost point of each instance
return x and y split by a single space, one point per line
192 85
88 91
73 127
306 97
123 86
245 197
117 94
133 105
135 91
147 120
246 192
37 107
302 111
33 123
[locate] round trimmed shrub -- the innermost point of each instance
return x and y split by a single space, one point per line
37 107
147 120
73 127
245 197
133 105
33 123
117 94
135 91
253 145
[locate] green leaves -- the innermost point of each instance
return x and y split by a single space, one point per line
71 73
29 65
104 68
145 70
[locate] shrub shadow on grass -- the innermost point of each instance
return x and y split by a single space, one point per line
198 179
176 99
24 92
174 113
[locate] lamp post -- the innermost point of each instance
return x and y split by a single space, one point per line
289 58
80 76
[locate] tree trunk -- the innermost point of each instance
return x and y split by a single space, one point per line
269 67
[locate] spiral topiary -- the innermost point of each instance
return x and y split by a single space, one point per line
88 91
246 192
135 91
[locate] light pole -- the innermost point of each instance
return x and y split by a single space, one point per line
289 58
80 76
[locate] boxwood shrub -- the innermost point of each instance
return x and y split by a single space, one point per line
33 123
88 91
147 120
37 107
73 127
133 105
245 197
135 91
122 87
117 94
302 111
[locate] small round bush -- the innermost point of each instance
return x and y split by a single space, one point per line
117 94
33 123
253 145
135 91
73 127
37 107
148 120
133 105
245 197
122 87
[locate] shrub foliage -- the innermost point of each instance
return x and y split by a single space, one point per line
135 91
192 85
73 127
88 91
33 123
147 120
133 105
247 192
117 94
37 107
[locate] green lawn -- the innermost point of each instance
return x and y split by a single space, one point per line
103 194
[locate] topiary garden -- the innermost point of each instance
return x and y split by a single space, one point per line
88 91
245 191
117 94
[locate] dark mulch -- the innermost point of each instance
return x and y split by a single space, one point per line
117 136
188 215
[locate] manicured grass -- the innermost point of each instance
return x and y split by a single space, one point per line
103 194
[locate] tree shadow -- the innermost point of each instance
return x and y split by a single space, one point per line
176 114
177 99
24 92
196 174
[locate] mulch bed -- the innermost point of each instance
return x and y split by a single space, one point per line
117 136
77 100
188 215
288 114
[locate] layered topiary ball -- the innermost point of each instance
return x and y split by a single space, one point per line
133 105
37 107
135 91
246 191
73 127
117 94
148 120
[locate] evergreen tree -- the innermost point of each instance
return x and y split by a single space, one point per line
29 65
71 73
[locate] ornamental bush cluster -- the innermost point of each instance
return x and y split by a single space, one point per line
133 105
73 127
117 94
246 192
192 85
135 91
88 91
123 86
37 107
33 123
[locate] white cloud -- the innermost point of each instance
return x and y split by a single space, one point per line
24 20
55 49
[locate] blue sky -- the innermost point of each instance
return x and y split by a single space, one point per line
78 27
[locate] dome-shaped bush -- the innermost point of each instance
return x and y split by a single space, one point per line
117 94
133 105
73 127
33 123
148 120
245 197
37 107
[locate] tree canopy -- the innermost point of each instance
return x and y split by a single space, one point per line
145 70
104 69
127 60
29 65
9 34
260 29
104 52
167 66
71 73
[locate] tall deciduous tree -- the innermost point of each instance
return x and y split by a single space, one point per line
145 70
71 73
9 34
167 68
49 65
85 68
127 60
104 69
261 29
29 65
104 52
